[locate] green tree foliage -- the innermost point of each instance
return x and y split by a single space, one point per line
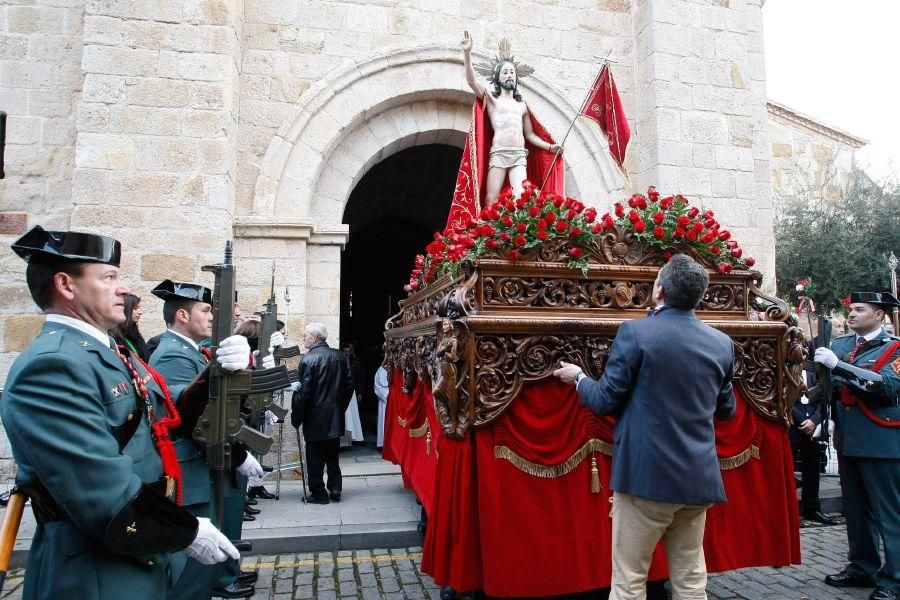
841 243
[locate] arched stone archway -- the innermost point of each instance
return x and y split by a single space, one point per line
357 116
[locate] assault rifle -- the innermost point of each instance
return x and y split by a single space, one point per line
220 427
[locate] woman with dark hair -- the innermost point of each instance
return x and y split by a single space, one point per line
127 334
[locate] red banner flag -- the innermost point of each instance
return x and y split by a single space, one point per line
604 107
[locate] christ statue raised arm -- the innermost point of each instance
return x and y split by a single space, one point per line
509 118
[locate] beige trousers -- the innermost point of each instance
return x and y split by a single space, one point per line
637 527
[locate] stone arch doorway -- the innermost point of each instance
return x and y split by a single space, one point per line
391 215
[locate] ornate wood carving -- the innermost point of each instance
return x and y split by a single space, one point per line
449 364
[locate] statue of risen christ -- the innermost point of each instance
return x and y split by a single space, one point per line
509 119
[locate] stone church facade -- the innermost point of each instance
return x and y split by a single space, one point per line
175 125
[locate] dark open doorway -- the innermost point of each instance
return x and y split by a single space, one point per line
392 213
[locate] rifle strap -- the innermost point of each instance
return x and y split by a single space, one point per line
848 398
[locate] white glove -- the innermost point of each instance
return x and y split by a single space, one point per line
210 546
276 340
270 417
295 386
826 357
269 361
250 467
233 353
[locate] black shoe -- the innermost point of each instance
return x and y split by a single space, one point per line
234 590
248 577
249 517
251 501
260 492
251 511
317 499
447 593
335 496
820 517
845 579
882 593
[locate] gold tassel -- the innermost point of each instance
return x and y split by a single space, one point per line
428 443
553 471
595 477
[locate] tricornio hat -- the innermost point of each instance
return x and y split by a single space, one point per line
69 245
175 290
883 299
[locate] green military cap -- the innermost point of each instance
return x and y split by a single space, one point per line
882 299
69 245
175 290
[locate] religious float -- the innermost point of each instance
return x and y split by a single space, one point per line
511 469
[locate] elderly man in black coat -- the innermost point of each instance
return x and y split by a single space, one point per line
667 376
326 386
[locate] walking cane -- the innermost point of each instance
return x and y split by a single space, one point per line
301 447
8 531
280 454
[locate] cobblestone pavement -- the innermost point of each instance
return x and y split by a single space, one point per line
394 573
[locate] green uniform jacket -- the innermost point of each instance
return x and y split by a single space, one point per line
856 434
179 363
64 395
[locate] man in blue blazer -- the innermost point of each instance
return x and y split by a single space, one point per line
666 378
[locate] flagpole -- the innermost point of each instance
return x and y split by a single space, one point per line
590 93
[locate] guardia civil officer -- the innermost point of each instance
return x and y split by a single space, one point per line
865 367
179 358
78 412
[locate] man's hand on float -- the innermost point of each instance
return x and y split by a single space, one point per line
466 42
567 372
826 357
233 353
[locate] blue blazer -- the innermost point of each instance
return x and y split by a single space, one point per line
666 378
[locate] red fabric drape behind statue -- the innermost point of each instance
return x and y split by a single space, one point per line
495 527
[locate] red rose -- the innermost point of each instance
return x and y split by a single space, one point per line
693 212
678 233
521 227
750 261
846 302
507 220
598 227
608 222
658 218
634 216
415 285
683 222
708 214
488 230
520 241
731 244
652 194
707 238
571 214
534 211
666 203
633 201
714 249
542 223
690 236
681 199
709 223
797 309
640 227
520 201
736 252
724 268
576 252
561 226
542 234
513 255
550 218
492 244
642 204
620 210
724 235
557 202
590 215
575 231
659 233
504 237
667 256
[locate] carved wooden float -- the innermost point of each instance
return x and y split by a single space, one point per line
478 337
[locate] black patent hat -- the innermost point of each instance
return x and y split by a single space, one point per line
884 299
69 245
175 290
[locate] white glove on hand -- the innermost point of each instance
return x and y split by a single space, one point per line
269 361
295 387
250 467
826 357
210 546
233 353
270 417
276 340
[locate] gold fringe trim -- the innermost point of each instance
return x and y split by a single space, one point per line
733 462
553 471
402 422
419 431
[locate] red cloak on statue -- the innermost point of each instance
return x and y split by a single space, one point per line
471 179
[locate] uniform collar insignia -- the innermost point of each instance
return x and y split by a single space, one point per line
85 343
